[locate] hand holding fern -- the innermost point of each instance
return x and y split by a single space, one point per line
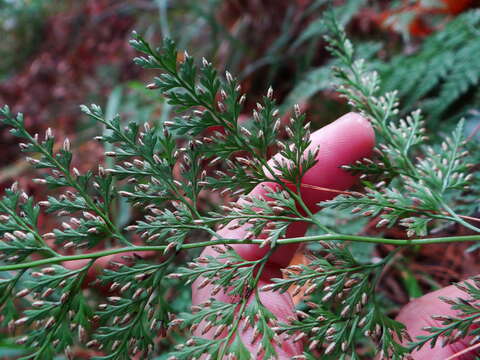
348 139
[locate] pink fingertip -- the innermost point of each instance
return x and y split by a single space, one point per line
342 142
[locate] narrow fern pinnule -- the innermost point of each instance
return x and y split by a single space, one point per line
162 170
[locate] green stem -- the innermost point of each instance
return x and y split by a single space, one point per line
383 263
326 237
299 199
458 218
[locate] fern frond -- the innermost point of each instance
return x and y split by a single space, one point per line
442 70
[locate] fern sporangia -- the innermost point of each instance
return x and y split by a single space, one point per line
161 169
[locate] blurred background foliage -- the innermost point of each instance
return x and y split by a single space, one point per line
55 55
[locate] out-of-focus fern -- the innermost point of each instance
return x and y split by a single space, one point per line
321 78
445 68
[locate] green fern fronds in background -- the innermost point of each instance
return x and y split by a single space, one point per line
444 69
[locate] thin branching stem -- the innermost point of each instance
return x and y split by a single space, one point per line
295 240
